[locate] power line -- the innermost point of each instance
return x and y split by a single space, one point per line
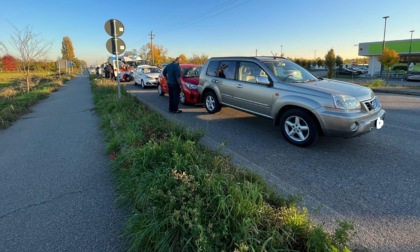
206 14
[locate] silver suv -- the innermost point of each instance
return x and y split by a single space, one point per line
303 105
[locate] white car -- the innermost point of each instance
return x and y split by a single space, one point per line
146 76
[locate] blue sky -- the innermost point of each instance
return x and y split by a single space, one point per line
298 28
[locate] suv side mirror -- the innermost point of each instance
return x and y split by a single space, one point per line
263 80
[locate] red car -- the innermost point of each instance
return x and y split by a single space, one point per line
189 76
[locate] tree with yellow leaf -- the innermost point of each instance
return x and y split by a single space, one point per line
389 58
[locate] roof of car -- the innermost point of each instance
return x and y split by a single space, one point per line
188 65
261 58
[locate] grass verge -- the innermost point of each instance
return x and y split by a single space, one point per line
15 101
185 197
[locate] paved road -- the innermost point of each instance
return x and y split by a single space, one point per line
56 189
372 180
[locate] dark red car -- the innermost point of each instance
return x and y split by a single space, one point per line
189 77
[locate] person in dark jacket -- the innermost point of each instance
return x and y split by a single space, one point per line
172 73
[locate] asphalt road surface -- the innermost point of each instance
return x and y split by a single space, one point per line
56 189
372 180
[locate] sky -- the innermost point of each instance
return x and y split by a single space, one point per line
298 29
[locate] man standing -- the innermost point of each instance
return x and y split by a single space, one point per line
172 73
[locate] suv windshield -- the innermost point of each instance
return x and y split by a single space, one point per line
287 71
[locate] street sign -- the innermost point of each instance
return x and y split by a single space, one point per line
117 47
114 28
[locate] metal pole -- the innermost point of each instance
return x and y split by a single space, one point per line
411 41
116 56
383 43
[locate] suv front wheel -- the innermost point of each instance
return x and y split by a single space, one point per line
211 102
299 127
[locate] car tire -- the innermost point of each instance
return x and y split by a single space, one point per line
160 90
182 98
128 78
212 103
142 84
299 127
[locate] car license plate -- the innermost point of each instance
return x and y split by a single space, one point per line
379 123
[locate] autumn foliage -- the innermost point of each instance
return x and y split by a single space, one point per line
10 63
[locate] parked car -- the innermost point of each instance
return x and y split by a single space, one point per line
146 76
357 70
400 68
189 77
346 71
126 76
303 105
413 77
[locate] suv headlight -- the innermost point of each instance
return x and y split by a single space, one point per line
191 86
346 102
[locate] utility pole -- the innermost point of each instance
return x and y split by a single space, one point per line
152 36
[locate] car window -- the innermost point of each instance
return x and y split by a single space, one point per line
222 69
288 71
191 72
212 69
154 70
226 70
249 71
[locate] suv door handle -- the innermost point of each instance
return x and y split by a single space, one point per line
214 81
239 86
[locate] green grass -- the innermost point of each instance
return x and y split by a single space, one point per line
185 197
15 101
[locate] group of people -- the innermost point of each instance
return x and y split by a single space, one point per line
109 72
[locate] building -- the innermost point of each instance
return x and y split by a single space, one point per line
409 51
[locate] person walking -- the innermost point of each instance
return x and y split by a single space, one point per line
172 73
111 72
106 70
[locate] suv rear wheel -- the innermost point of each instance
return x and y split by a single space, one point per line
211 102
299 127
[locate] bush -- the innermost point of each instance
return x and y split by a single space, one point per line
376 83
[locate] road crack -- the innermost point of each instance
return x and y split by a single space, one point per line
39 204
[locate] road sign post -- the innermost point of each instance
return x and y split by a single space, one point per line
116 46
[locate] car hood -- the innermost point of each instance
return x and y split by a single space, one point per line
334 87
192 80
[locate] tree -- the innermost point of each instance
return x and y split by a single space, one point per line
29 48
330 62
159 54
319 62
131 53
3 48
67 49
339 61
10 63
198 59
389 58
